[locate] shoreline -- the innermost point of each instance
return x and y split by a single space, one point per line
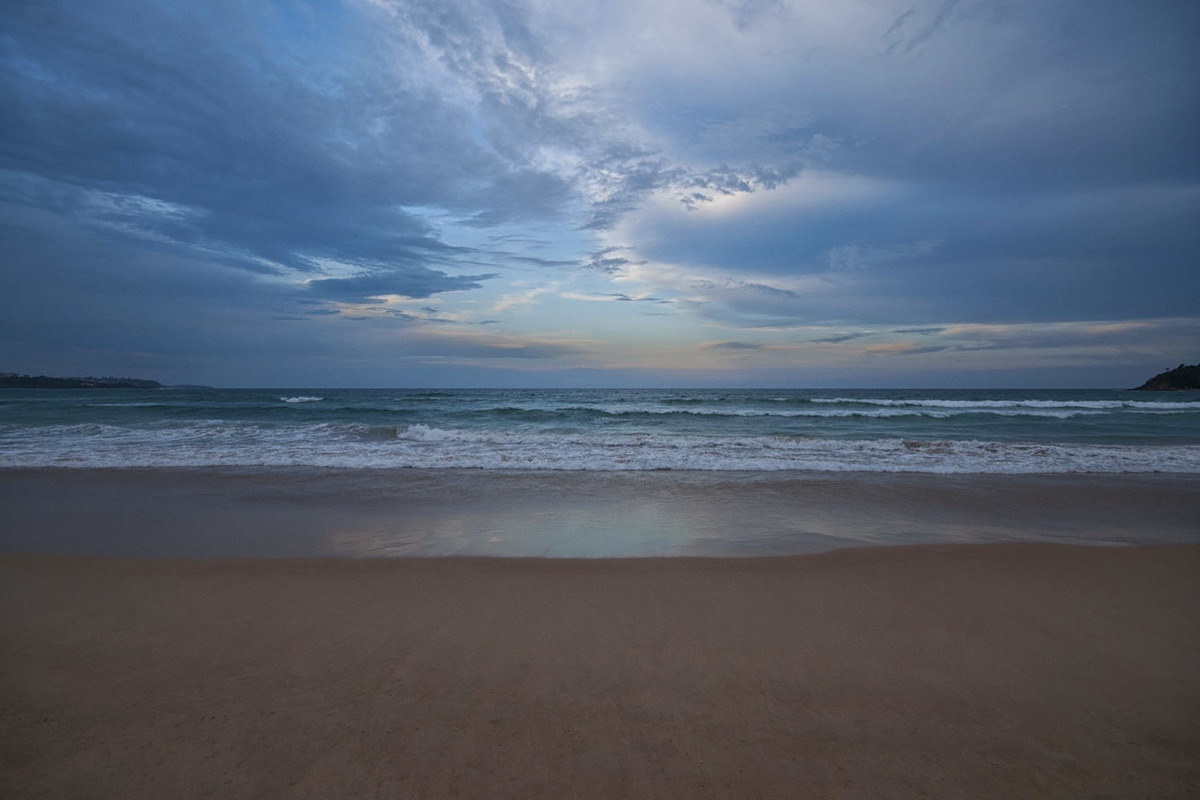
316 512
984 671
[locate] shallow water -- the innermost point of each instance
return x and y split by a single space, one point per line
944 431
304 512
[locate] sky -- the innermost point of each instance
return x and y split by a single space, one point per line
391 193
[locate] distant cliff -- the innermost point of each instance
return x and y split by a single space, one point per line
11 380
1181 377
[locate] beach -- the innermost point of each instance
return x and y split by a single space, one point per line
959 671
308 512
522 399
997 667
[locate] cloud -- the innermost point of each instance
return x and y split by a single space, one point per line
1092 334
902 349
926 30
419 283
838 338
204 128
467 347
923 331
607 261
614 297
520 299
872 171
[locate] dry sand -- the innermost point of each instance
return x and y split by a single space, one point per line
968 671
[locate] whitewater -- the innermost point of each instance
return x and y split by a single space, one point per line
871 430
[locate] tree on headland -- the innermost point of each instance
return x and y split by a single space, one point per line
1182 377
11 380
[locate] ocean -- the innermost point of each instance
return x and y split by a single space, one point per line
834 430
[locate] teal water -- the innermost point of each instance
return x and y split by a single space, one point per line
945 431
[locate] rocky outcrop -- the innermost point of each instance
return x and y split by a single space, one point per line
1182 377
10 380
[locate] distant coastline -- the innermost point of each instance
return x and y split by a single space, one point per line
1182 378
11 380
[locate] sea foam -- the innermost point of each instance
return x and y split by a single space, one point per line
356 445
930 431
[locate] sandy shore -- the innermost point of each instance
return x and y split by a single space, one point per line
951 671
323 513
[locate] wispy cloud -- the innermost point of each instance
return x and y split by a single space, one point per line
520 299
923 178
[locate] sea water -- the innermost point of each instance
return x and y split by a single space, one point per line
932 431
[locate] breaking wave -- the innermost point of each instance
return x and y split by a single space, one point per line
356 445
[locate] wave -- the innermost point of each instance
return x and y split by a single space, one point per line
1094 405
358 445
535 413
130 405
302 399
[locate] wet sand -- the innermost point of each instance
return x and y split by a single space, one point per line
301 512
1011 670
